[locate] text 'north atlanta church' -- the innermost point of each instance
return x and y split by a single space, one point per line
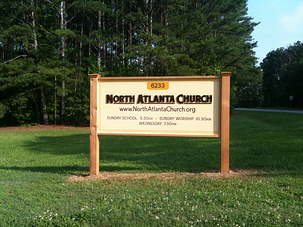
158 99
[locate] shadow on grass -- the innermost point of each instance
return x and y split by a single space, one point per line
74 144
71 170
259 141
286 173
49 169
70 155
124 154
161 154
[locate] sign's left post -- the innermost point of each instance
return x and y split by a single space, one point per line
94 138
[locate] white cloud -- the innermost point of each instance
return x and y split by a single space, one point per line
292 24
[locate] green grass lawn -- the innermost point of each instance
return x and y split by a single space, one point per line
35 166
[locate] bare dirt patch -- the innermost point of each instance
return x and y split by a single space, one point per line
39 127
165 176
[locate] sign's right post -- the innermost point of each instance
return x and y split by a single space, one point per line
225 122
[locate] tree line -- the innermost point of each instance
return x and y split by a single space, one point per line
48 48
283 77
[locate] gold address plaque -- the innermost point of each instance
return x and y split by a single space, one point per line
157 85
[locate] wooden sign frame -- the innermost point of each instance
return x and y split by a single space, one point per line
95 113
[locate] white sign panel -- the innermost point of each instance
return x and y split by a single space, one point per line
176 106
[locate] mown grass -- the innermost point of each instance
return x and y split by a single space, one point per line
35 166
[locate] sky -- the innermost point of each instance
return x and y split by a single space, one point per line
281 24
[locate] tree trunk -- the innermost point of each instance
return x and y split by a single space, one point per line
123 36
55 117
42 97
104 44
116 65
99 41
63 47
43 105
37 110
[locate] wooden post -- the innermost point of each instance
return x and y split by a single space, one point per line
225 114
94 139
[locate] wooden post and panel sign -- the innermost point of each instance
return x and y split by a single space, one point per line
197 106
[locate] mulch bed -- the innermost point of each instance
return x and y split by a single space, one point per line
164 176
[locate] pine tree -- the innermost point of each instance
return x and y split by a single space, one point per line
49 46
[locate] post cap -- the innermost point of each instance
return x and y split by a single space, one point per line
94 76
225 73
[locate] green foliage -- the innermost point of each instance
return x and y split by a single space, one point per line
248 92
283 77
3 110
47 48
78 111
